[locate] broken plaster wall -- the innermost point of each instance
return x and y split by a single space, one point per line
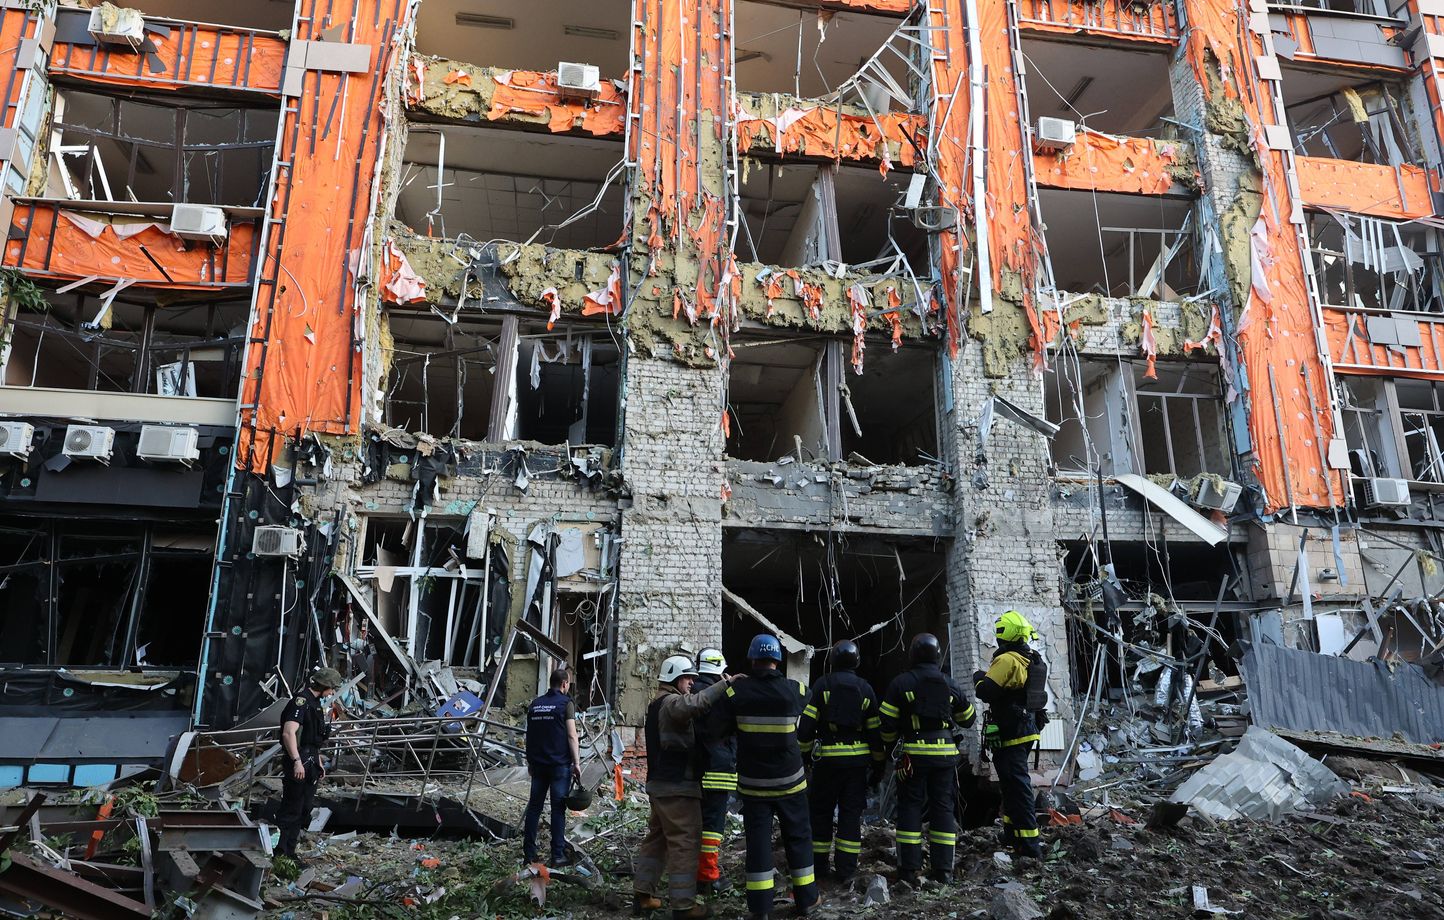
1108 326
1004 554
908 500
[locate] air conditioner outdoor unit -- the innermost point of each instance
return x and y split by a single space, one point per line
1055 134
89 442
578 81
1217 495
113 25
163 442
271 540
1385 493
198 222
934 218
16 438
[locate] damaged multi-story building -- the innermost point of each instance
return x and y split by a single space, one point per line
652 324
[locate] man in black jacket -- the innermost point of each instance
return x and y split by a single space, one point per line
719 774
840 729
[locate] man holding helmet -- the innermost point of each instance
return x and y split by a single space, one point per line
1015 687
719 776
674 786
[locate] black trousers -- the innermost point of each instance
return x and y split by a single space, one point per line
791 813
296 796
840 788
1020 815
929 793
714 821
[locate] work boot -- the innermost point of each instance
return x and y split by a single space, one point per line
560 862
644 903
698 911
908 877
1030 850
716 886
942 878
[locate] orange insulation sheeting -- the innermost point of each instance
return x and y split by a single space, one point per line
193 55
1106 163
820 131
684 46
307 374
1364 188
897 7
528 92
1148 22
55 246
1353 353
1275 329
15 26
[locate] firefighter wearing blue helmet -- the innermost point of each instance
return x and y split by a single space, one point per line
763 712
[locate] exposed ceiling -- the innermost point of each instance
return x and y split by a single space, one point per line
508 184
250 14
772 199
1081 261
1111 90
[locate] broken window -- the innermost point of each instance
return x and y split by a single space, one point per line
1368 263
128 344
1421 418
500 36
889 410
804 216
109 148
1111 90
443 374
1172 425
566 388
84 594
1390 9
1369 428
1337 114
1121 245
775 398
812 54
27 131
564 192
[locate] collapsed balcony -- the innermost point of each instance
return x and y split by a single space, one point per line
1121 245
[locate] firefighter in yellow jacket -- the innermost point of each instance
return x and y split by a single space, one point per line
1015 687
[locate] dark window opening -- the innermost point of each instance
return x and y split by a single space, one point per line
133 149
443 375
775 396
1121 245
783 49
890 410
1367 263
1345 116
567 389
1111 90
1180 421
493 33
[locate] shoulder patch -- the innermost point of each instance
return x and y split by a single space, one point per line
300 701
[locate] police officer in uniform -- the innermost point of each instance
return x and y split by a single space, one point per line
840 728
553 760
719 776
763 710
303 731
921 706
1015 687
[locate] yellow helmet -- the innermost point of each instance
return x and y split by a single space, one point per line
1014 627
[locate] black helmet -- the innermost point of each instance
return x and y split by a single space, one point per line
579 798
845 656
925 649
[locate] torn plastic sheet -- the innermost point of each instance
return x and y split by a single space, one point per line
398 279
1265 778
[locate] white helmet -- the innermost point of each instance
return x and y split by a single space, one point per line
711 661
674 667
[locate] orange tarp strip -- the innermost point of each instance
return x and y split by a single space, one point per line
307 374
1106 163
193 55
531 93
15 25
1275 329
1353 353
1364 188
897 7
820 131
57 247
1119 19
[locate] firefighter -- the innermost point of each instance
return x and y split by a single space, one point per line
840 729
303 731
763 711
719 776
1015 687
922 706
674 787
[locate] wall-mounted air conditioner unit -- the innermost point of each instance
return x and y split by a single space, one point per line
271 540
1055 134
934 218
113 25
16 438
578 81
198 222
1217 495
1385 493
89 442
163 442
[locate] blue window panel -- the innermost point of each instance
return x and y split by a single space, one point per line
49 773
93 774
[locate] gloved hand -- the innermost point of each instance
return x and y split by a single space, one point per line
977 676
1040 717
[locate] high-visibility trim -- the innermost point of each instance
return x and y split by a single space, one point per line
967 713
822 846
874 722
843 749
802 877
810 711
710 848
942 837
718 781
910 837
759 884
779 725
1023 740
771 782
917 724
889 737
887 709
911 698
731 691
849 846
1027 832
801 688
930 748
1007 820
771 793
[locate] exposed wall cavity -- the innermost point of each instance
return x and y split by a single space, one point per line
457 91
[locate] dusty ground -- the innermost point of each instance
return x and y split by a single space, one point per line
1370 856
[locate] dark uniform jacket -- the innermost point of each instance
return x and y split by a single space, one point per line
674 760
305 708
719 750
548 743
921 707
841 724
763 710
